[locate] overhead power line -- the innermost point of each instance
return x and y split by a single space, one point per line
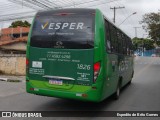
38 5
114 10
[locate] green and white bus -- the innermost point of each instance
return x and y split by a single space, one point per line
77 54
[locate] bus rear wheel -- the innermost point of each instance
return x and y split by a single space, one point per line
131 78
117 93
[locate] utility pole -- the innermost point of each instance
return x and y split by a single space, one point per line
114 10
1 26
136 31
140 48
143 44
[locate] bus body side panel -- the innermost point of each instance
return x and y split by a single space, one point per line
99 55
111 73
127 69
107 79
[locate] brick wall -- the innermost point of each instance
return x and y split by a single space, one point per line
8 33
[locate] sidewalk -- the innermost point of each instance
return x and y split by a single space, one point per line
12 78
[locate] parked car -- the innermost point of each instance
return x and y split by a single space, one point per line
136 54
153 55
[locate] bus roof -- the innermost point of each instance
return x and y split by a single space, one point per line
68 10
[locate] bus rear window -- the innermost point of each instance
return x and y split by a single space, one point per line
70 31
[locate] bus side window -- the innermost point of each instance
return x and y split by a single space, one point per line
116 40
127 46
108 43
123 44
131 47
119 42
113 38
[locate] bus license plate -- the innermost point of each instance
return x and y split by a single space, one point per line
56 82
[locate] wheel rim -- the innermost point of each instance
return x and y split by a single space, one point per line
118 91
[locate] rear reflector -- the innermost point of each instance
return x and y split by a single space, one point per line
84 95
96 70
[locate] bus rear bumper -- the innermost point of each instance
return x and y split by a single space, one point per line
90 95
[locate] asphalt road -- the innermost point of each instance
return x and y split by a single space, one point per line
142 95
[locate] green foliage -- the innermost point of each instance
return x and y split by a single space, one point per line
148 44
151 23
158 43
20 23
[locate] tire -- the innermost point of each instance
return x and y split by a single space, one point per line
131 78
117 93
129 82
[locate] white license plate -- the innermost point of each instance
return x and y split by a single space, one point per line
56 82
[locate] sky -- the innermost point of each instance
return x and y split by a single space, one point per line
141 7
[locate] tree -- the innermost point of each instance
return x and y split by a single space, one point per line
151 23
141 42
20 23
148 44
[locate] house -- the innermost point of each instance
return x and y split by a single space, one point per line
13 40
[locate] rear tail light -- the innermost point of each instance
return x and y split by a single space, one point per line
84 95
27 61
97 67
27 65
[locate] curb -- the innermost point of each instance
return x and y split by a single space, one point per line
3 79
9 80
